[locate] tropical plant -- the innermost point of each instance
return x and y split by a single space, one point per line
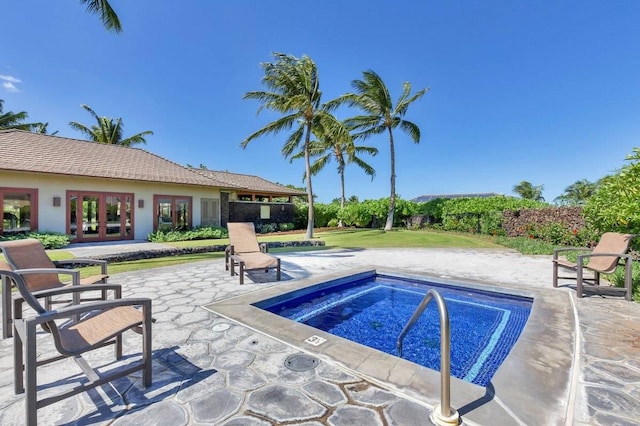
107 15
577 193
372 96
293 90
615 206
338 145
15 120
108 130
527 191
481 215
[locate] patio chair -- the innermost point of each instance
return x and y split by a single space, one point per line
245 251
99 324
606 256
29 254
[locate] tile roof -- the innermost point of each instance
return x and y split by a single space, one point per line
250 182
33 152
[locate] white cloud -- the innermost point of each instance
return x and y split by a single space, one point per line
9 83
10 87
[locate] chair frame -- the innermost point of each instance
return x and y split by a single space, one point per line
624 259
61 269
25 340
231 260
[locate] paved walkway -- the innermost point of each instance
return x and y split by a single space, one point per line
211 371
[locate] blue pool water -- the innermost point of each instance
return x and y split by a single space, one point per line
373 311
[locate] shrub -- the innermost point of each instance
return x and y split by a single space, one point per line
288 226
50 240
616 204
266 228
197 233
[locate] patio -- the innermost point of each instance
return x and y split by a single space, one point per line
210 370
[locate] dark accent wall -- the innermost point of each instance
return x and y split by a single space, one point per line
224 208
249 211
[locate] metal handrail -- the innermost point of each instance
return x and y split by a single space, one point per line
447 415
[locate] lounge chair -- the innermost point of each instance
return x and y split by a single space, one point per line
99 324
29 254
245 251
605 257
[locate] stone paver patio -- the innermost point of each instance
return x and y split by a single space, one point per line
209 370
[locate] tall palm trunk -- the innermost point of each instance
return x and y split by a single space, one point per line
342 200
392 198
307 164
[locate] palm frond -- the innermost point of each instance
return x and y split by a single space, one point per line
108 16
283 123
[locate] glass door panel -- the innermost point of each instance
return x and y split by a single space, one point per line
165 214
182 214
91 217
114 218
73 216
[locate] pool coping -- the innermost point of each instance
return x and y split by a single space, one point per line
532 386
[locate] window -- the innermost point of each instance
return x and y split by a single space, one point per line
265 212
172 212
19 210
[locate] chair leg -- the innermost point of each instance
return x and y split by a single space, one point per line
30 365
555 274
579 273
7 319
278 271
146 348
628 278
241 265
18 361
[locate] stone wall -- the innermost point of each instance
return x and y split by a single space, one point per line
516 223
151 254
249 211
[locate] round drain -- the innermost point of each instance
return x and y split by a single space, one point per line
301 362
221 327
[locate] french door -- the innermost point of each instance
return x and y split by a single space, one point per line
99 216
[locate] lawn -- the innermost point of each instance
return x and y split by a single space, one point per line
348 238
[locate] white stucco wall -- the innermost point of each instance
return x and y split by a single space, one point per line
54 218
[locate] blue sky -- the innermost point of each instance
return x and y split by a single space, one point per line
544 91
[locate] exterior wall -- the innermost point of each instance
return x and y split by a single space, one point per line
249 211
54 219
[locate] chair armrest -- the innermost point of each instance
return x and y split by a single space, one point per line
568 249
264 247
102 263
624 256
75 274
74 310
117 288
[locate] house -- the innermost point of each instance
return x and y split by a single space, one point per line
101 192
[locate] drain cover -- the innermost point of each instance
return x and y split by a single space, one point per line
301 362
221 327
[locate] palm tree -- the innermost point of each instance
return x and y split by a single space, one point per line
293 90
372 96
108 131
15 120
527 191
337 143
108 16
577 193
